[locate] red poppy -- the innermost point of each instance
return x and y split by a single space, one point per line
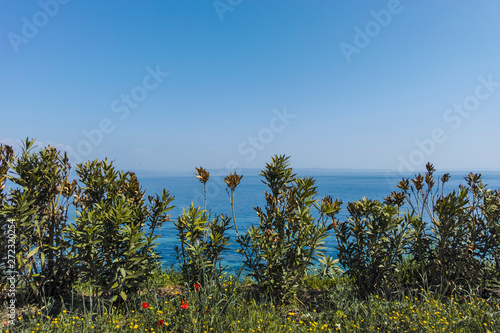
145 305
184 305
160 322
205 312
197 286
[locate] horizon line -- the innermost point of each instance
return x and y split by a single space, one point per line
313 170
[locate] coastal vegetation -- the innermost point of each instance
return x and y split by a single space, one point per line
424 259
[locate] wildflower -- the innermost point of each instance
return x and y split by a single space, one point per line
145 305
160 322
184 305
197 286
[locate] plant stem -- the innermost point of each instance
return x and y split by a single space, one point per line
205 195
232 208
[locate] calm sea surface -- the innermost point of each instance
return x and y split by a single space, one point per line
347 187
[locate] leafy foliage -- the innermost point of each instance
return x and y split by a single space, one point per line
371 242
457 233
449 240
39 208
203 242
113 234
288 239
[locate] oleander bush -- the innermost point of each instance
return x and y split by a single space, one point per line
455 239
203 242
287 241
113 235
448 241
371 243
39 207
109 247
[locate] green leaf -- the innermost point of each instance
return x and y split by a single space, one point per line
33 252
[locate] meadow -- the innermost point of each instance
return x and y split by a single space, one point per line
227 304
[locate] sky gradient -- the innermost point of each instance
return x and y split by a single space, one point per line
167 86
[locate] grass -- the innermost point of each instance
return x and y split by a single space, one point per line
227 304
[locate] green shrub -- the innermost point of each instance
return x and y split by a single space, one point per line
454 238
371 243
203 242
484 227
113 235
39 209
288 239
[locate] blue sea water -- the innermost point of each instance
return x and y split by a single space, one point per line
345 186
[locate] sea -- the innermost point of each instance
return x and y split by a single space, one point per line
344 186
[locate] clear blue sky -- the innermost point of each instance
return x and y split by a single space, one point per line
334 84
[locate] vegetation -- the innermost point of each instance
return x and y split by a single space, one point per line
287 240
422 260
203 242
226 304
112 239
39 209
109 247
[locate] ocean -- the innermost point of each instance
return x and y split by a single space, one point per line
345 186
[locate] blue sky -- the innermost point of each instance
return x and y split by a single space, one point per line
169 85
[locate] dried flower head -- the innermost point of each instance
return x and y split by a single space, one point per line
430 167
203 175
395 199
233 180
404 184
445 177
418 182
